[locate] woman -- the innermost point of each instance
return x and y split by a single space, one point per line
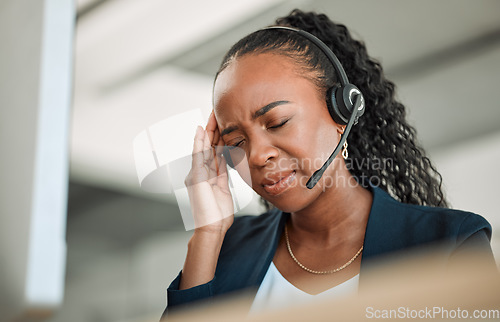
272 101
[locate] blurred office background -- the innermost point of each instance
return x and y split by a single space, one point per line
139 62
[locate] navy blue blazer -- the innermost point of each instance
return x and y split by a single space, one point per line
251 242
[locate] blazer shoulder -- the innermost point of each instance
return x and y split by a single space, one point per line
453 223
394 225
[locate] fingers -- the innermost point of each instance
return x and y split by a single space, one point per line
212 122
217 137
220 141
214 135
222 173
216 159
207 147
202 150
207 160
222 179
199 140
220 147
211 126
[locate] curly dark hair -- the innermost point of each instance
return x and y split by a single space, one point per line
382 135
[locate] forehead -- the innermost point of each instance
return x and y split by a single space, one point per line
254 79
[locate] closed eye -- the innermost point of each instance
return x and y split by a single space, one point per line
271 127
279 125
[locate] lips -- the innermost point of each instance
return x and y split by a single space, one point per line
277 183
272 178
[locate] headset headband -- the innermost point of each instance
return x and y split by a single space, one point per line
323 47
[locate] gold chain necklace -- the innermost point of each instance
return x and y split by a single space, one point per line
318 272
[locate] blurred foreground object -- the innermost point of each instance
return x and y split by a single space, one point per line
412 287
36 61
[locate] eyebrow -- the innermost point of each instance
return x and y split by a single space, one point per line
257 114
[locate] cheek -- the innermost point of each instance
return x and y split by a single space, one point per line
313 144
326 141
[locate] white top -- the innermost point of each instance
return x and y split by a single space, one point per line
276 292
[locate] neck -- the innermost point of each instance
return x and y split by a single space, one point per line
338 215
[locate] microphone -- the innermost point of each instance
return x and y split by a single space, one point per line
319 173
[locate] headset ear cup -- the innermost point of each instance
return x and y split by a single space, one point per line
333 106
349 95
343 100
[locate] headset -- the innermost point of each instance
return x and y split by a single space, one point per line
345 103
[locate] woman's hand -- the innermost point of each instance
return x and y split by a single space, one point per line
211 206
207 182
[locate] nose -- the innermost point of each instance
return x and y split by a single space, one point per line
261 152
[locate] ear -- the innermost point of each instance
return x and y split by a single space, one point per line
340 129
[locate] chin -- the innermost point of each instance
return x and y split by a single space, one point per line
289 201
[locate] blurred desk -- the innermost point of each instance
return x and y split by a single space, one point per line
412 288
